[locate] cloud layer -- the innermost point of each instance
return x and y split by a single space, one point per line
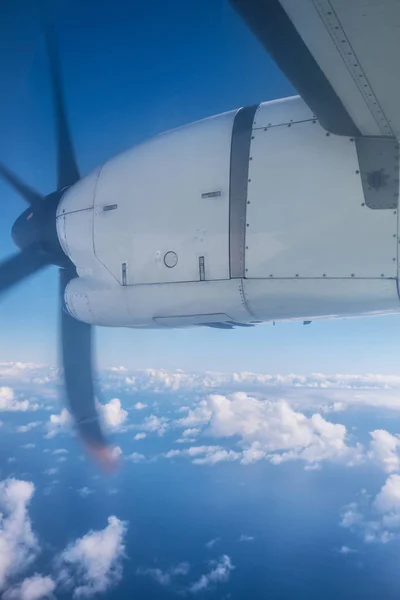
91 564
376 519
18 544
269 430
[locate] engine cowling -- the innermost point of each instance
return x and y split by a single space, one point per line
252 215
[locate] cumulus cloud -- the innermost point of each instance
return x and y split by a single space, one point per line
211 543
205 455
155 424
200 415
246 538
219 574
270 430
112 413
385 450
189 433
140 406
27 427
8 403
332 392
140 436
136 457
173 453
323 392
165 578
90 565
36 587
18 544
377 520
216 456
94 562
51 471
58 423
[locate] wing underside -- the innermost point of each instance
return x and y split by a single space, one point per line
341 55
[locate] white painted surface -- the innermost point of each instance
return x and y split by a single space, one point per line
279 112
357 45
156 305
305 216
80 196
158 187
309 299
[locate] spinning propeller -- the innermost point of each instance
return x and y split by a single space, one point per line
35 234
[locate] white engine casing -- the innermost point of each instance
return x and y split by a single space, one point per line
265 221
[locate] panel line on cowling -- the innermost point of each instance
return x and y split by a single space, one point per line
239 176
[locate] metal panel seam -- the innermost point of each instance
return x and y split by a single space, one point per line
238 183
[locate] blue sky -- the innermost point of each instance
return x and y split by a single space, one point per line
132 70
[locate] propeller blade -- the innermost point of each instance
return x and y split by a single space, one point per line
67 168
27 193
77 359
20 266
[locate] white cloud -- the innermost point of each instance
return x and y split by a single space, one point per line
8 403
93 562
173 453
60 451
182 568
27 427
18 544
165 578
211 543
85 492
155 424
216 456
219 574
113 414
140 436
116 452
58 423
346 550
351 516
322 392
36 587
170 381
51 471
28 446
385 450
136 457
190 433
205 455
378 520
200 415
246 538
272 431
140 406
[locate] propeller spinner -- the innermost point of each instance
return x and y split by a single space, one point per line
34 232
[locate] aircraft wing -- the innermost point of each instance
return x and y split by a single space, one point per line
342 56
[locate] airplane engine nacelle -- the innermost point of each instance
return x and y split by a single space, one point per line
252 215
